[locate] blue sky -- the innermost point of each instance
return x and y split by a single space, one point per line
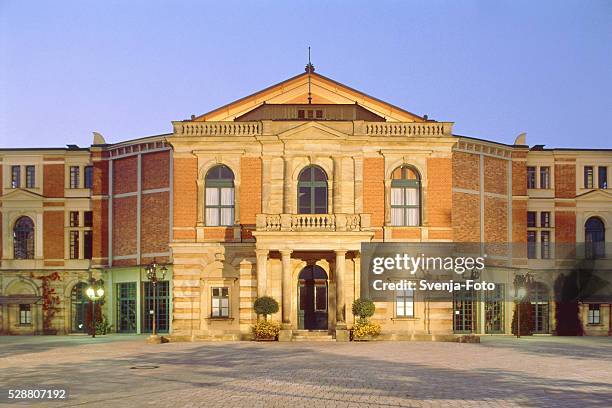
127 68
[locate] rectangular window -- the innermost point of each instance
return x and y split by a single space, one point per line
531 219
463 311
87 219
126 307
545 244
220 302
74 244
545 177
531 177
162 307
319 114
588 176
310 114
531 244
25 314
544 219
15 176
404 303
30 176
301 114
494 309
74 218
594 314
74 176
87 244
88 176
603 177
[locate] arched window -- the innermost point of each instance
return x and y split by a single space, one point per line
79 303
23 238
219 196
594 238
405 197
312 191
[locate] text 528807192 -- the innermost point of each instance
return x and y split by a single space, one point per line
37 393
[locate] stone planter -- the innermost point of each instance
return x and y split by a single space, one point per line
364 338
269 338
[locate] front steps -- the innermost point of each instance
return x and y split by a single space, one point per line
312 335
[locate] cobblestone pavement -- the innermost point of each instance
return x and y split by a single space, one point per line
125 371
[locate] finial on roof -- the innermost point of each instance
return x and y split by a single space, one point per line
521 139
310 69
98 139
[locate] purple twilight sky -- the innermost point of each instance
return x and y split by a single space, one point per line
126 69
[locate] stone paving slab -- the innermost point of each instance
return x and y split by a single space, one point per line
501 371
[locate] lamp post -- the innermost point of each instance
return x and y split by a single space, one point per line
94 292
152 271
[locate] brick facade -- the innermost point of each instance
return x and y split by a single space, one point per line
472 190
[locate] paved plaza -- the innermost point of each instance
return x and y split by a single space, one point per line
116 371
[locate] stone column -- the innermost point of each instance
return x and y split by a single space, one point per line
262 272
340 303
286 333
342 333
286 287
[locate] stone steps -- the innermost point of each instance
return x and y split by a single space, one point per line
312 335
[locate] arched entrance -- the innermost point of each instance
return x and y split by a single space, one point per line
79 304
312 298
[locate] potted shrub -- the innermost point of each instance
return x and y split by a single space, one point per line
364 329
265 330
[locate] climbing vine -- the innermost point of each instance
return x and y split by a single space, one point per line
50 299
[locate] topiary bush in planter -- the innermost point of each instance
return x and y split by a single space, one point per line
265 330
363 328
363 308
265 306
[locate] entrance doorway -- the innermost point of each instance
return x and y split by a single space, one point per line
312 298
79 305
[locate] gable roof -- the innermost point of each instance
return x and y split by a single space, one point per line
295 90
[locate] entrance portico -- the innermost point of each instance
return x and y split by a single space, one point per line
298 251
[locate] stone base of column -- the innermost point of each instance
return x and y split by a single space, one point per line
342 335
156 339
341 326
285 335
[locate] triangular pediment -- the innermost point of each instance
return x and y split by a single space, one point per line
311 131
323 91
595 195
21 195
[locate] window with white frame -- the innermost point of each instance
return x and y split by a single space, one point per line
220 302
594 313
405 197
75 176
539 234
30 176
219 196
25 314
404 303
15 176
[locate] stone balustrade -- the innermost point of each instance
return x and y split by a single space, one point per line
217 128
255 128
312 222
427 129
